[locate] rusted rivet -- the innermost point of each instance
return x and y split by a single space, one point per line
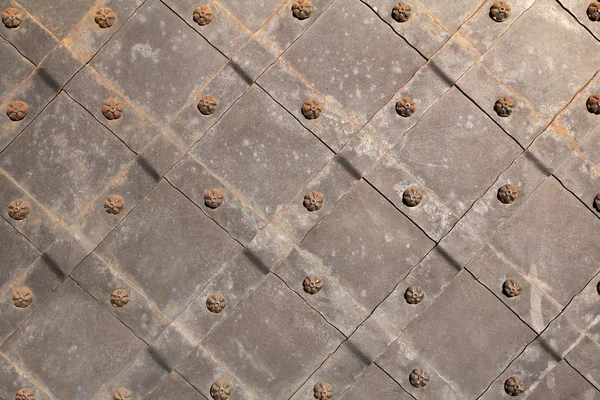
323 391
597 202
214 198
18 209
12 17
302 9
593 11
114 204
412 197
508 193
17 110
313 201
312 284
122 394
406 107
22 297
414 294
419 378
119 298
105 17
514 386
512 288
207 105
220 390
504 106
401 12
216 303
112 109
500 11
593 103
203 15
312 109
25 394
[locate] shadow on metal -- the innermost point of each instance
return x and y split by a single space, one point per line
255 259
160 360
48 79
241 72
53 266
147 166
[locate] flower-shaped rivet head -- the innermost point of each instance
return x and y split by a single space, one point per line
122 394
593 11
119 297
18 209
504 106
207 105
500 11
597 202
203 15
105 17
220 390
214 198
323 391
22 297
25 394
401 12
312 109
514 386
512 288
508 193
302 9
112 109
313 201
406 107
114 204
312 284
593 103
419 377
414 294
11 17
216 303
17 110
412 197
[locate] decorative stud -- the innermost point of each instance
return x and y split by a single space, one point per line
598 287
313 201
312 284
207 105
500 11
214 198
17 110
514 386
302 9
412 197
401 12
406 107
512 288
414 294
112 109
122 394
216 303
105 17
119 298
312 109
220 390
22 297
419 378
593 11
504 106
508 193
12 17
25 394
114 204
593 103
18 209
597 202
203 15
323 391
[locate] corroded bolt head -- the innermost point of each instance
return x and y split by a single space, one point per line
203 15
508 193
18 209
119 298
500 11
220 390
514 386
114 204
12 17
22 297
593 103
207 105
122 394
512 288
216 303
593 11
401 12
412 197
323 391
214 198
419 378
312 284
17 110
313 201
105 17
302 9
504 106
406 107
25 394
414 294
312 109
597 202
112 109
